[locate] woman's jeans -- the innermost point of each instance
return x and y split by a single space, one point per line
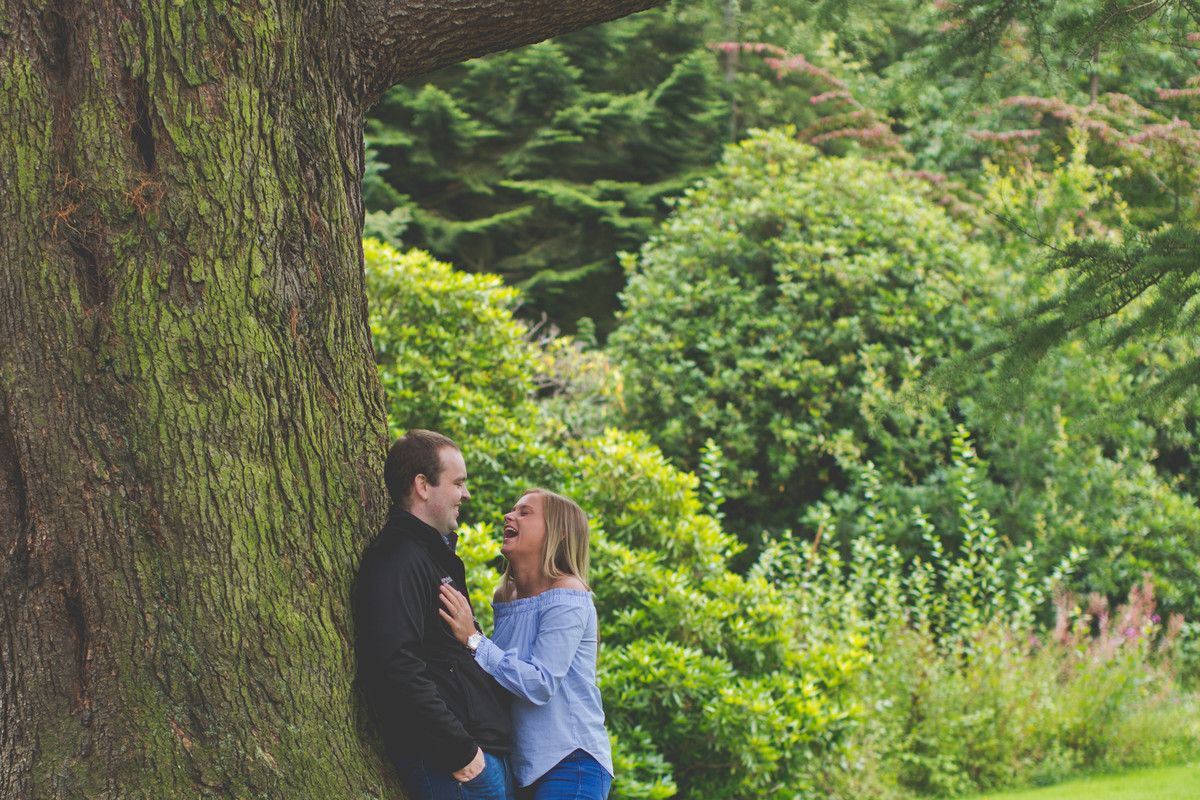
424 781
578 776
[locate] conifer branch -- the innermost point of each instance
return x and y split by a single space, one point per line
1143 288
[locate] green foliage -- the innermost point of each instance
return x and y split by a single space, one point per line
775 328
1020 712
781 310
1070 481
1145 287
968 578
702 661
452 358
1093 450
648 503
543 163
706 690
1130 279
1050 477
540 164
718 684
1063 203
967 692
776 314
975 31
1149 151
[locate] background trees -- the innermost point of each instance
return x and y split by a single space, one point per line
789 310
541 164
846 665
1038 173
914 81
773 312
925 538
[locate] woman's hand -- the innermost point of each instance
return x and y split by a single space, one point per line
457 613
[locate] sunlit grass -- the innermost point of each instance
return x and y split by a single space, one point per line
1167 783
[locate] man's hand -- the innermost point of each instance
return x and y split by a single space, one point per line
471 770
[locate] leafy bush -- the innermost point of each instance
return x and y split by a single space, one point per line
1021 708
452 358
706 690
834 669
968 692
793 304
782 309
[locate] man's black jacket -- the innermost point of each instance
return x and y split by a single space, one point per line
424 688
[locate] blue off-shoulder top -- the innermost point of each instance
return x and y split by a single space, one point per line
543 650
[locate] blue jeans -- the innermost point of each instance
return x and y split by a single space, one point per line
576 777
424 781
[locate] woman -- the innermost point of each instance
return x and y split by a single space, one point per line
543 650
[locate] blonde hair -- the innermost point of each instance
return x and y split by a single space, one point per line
565 550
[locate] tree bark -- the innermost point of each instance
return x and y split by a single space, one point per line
191 429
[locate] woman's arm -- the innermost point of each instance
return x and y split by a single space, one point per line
537 678
560 631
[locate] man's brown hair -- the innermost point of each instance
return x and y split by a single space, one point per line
417 452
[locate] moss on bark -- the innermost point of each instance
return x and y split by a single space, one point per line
190 408
191 428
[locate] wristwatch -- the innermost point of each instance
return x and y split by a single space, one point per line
473 641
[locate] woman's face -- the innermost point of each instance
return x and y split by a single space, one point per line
525 529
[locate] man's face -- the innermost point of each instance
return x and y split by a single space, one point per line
440 508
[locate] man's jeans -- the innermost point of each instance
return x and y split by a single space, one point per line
424 781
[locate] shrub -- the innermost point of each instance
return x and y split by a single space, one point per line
968 692
452 358
704 662
832 669
780 311
706 690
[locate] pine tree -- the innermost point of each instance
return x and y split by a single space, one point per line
1137 281
542 164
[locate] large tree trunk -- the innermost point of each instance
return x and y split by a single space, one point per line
191 430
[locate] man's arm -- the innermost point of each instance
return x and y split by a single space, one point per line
399 595
470 770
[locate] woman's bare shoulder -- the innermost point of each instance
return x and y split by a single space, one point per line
570 582
499 596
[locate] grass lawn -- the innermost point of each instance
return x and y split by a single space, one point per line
1167 783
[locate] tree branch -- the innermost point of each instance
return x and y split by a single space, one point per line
394 40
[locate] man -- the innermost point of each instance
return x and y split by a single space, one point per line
444 720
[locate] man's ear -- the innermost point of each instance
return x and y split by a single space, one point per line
421 486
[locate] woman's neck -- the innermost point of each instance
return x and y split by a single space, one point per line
528 579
